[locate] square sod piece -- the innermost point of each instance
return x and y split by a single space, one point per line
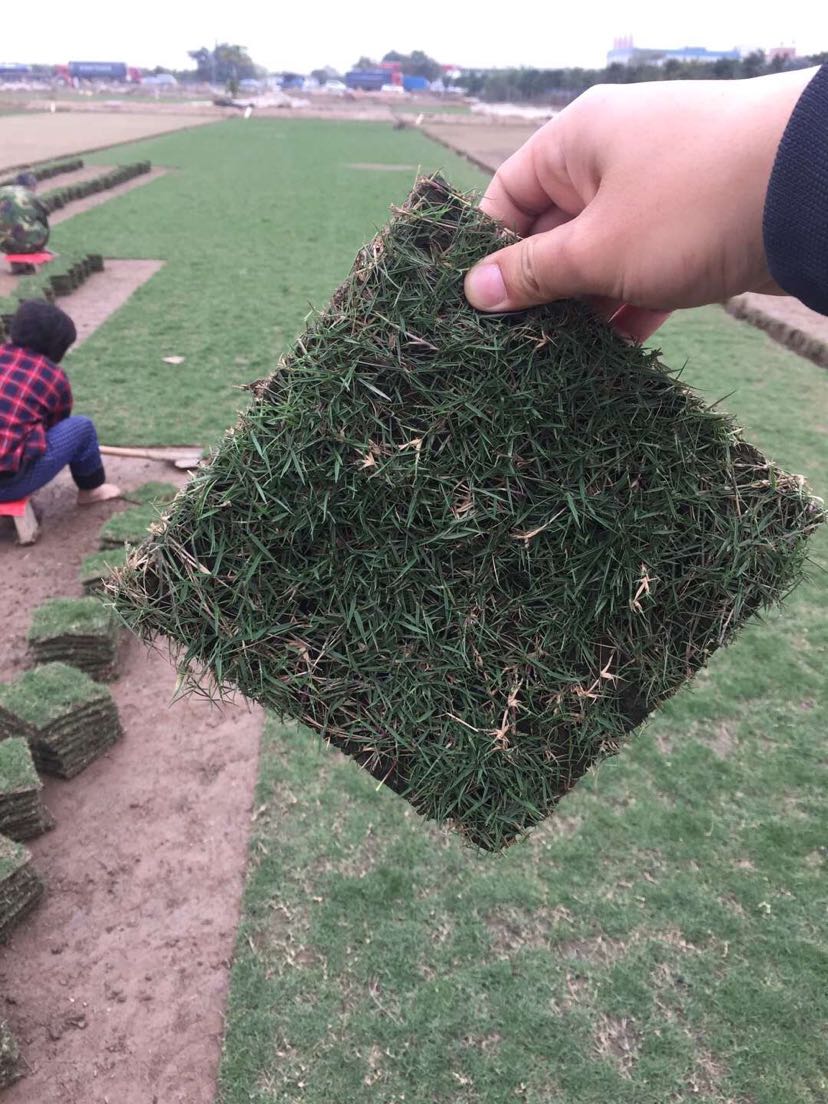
98 567
68 719
130 526
472 552
153 494
80 631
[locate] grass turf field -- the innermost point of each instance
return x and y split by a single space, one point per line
663 939
257 220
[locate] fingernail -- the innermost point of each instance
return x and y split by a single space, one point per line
485 288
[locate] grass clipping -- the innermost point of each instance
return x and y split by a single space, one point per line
472 552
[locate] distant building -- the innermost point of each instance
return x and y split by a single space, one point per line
98 70
624 52
785 53
10 71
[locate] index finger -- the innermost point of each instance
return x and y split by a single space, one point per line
530 183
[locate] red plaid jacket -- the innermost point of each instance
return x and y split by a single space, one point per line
34 395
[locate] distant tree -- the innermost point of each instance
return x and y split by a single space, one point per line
365 63
320 75
224 64
725 68
754 64
416 64
204 63
559 86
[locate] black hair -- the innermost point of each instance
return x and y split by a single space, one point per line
26 180
43 328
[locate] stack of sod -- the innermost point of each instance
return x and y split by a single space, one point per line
20 886
68 719
472 552
98 567
80 631
22 813
131 526
9 1057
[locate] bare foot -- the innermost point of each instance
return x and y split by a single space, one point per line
104 493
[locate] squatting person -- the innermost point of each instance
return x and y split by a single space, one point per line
39 435
24 220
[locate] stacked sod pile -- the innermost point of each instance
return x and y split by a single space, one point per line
9 1057
131 526
68 719
80 631
20 886
22 813
98 567
473 552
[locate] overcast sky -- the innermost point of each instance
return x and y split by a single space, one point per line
310 34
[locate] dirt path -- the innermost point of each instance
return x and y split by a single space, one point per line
100 295
115 986
486 144
105 292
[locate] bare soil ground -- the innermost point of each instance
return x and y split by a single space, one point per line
115 986
30 137
485 143
105 292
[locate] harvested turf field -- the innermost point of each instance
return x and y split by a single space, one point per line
255 221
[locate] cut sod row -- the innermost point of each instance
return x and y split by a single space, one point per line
59 197
47 172
60 277
471 551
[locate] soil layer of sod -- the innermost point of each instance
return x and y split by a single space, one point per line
80 631
471 551
22 814
20 886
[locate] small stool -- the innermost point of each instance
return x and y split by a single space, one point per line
25 264
22 513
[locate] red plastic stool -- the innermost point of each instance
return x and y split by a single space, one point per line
24 263
22 513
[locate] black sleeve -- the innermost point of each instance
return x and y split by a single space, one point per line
796 207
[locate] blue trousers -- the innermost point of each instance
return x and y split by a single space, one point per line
72 441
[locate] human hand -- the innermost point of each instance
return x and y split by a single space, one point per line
641 197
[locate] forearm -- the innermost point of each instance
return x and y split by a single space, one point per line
796 208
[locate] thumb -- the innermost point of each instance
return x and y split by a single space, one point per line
558 264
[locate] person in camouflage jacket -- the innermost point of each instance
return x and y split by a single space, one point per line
24 221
